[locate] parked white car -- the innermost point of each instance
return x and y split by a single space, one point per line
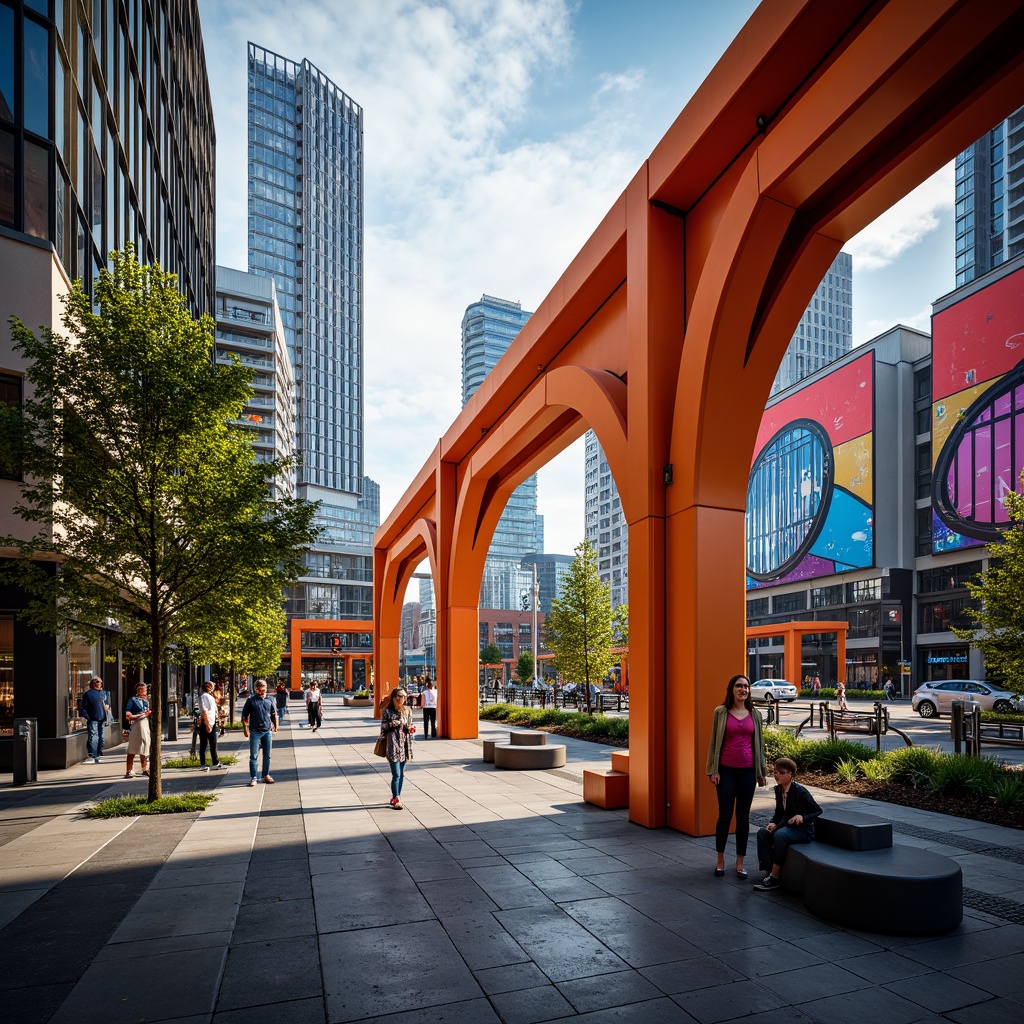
773 689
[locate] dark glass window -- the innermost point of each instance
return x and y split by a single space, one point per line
10 394
864 590
37 78
822 597
6 63
923 383
37 190
7 178
790 602
757 606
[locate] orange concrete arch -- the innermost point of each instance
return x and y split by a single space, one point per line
818 117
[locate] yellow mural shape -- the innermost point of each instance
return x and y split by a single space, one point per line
853 465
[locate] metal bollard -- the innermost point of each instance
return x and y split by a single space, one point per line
26 750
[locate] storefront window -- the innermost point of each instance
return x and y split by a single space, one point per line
861 670
83 664
6 675
943 663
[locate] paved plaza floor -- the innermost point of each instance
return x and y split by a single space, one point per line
494 896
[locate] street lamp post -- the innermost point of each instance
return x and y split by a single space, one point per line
536 674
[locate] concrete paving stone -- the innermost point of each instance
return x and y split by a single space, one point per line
561 947
14 902
267 886
939 993
691 974
532 1005
467 1011
619 883
958 950
370 860
496 860
567 890
184 983
609 990
453 896
1001 1010
121 951
36 1004
342 906
184 873
482 942
634 936
872 1004
712 1005
842 945
294 1011
167 912
405 949
1002 976
434 869
266 971
780 1015
284 919
816 982
776 958
884 967
510 978
507 887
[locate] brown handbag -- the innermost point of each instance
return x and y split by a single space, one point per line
380 748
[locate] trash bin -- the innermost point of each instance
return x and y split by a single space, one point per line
172 720
26 750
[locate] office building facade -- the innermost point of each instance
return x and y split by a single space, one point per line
825 333
551 571
989 199
106 137
306 232
488 328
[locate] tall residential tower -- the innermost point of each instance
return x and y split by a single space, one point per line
306 231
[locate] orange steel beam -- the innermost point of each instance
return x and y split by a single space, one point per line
792 634
665 332
299 626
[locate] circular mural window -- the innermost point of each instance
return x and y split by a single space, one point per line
788 496
981 460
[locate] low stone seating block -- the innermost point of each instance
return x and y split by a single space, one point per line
902 890
609 790
489 751
528 738
620 761
529 758
853 830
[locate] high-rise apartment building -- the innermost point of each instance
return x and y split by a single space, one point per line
106 137
488 328
825 333
990 200
306 232
249 328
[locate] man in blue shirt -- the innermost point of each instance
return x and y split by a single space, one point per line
95 708
259 720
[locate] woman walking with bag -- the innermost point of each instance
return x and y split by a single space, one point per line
736 765
136 714
397 729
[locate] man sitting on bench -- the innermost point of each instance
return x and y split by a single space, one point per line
793 822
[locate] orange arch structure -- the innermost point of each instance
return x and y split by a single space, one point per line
665 332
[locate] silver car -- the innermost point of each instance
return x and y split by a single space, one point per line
773 689
936 697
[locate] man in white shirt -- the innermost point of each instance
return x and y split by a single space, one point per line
429 700
314 707
208 728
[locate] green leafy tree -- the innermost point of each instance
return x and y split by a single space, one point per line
998 624
620 625
579 627
151 503
490 654
524 668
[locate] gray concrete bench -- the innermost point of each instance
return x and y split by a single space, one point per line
852 875
521 757
524 738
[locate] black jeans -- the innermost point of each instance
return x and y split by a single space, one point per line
430 721
314 714
208 738
735 788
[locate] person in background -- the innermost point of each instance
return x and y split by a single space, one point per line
314 706
208 728
736 766
223 707
429 701
259 723
396 726
281 700
136 715
96 709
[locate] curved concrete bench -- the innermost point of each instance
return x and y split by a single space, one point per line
489 750
528 738
902 890
529 758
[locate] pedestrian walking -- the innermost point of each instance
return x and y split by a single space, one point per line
208 728
223 707
736 766
890 690
281 700
136 715
96 709
314 707
397 728
841 695
259 723
429 701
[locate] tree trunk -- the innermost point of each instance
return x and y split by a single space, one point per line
156 720
229 693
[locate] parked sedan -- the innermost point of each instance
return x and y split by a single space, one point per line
935 698
773 689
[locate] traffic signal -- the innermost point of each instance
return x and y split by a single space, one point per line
335 642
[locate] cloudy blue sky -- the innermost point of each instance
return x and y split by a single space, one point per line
497 134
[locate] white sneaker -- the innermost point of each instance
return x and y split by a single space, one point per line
129 775
204 767
220 765
252 782
95 760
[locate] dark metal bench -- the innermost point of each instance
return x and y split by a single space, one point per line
852 875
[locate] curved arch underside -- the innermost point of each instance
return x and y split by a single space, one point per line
665 332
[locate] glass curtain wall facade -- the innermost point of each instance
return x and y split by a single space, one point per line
488 328
990 200
306 232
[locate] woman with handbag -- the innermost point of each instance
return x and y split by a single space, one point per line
137 714
397 730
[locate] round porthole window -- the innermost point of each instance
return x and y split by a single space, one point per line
788 496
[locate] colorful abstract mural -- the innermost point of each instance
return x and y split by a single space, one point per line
810 507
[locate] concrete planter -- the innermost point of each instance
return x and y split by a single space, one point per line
358 702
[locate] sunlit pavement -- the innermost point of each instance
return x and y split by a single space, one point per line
494 896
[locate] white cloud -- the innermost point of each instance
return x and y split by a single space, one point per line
904 225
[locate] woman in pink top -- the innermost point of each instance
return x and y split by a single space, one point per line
736 765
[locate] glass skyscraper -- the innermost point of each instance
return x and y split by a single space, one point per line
990 200
488 328
306 231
